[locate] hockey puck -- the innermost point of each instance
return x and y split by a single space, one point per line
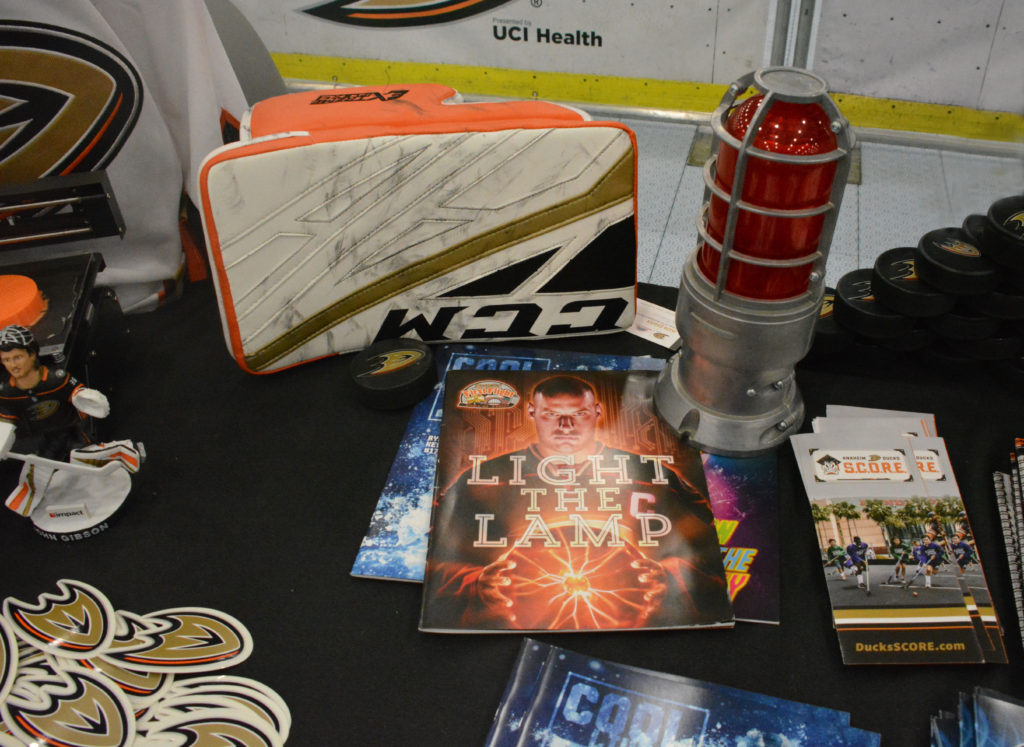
963 324
857 309
829 336
1005 302
896 284
391 374
918 338
1005 234
1002 346
947 260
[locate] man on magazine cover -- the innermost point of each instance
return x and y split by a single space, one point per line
620 527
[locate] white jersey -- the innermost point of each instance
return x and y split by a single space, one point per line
138 89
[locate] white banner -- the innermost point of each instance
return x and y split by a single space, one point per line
684 40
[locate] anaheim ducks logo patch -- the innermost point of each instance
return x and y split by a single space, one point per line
70 105
385 13
185 640
78 622
72 707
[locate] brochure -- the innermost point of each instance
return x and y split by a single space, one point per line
900 562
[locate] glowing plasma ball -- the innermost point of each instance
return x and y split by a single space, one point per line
581 587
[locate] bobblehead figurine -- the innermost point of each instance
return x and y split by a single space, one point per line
69 487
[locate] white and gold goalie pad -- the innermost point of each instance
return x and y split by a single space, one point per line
352 215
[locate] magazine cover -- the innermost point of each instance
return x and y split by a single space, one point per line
998 719
901 566
563 503
518 695
580 700
744 498
395 544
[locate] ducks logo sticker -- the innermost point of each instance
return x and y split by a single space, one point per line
78 622
186 640
8 658
385 13
72 707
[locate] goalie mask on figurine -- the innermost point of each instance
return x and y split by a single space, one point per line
68 485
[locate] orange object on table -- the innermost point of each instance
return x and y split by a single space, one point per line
20 301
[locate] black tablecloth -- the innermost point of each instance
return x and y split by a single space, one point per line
258 490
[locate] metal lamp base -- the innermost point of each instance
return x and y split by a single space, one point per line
722 433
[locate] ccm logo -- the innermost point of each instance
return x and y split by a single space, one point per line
510 320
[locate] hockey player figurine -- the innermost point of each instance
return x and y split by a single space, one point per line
47 408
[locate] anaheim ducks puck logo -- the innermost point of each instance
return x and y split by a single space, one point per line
185 640
956 246
391 361
905 269
388 13
67 101
77 622
861 291
1015 222
72 707
828 305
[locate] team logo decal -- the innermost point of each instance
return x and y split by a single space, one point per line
388 13
8 658
140 687
394 360
71 105
76 707
78 622
266 704
212 728
488 395
194 640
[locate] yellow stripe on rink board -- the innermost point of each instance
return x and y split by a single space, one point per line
607 90
518 84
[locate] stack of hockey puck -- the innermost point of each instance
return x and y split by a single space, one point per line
959 293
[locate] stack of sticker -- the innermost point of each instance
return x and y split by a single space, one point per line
75 672
1009 490
982 717
959 292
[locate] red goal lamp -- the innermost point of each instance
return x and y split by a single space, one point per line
751 292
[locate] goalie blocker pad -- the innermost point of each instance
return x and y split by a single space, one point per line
352 215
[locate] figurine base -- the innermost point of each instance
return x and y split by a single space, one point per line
78 506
